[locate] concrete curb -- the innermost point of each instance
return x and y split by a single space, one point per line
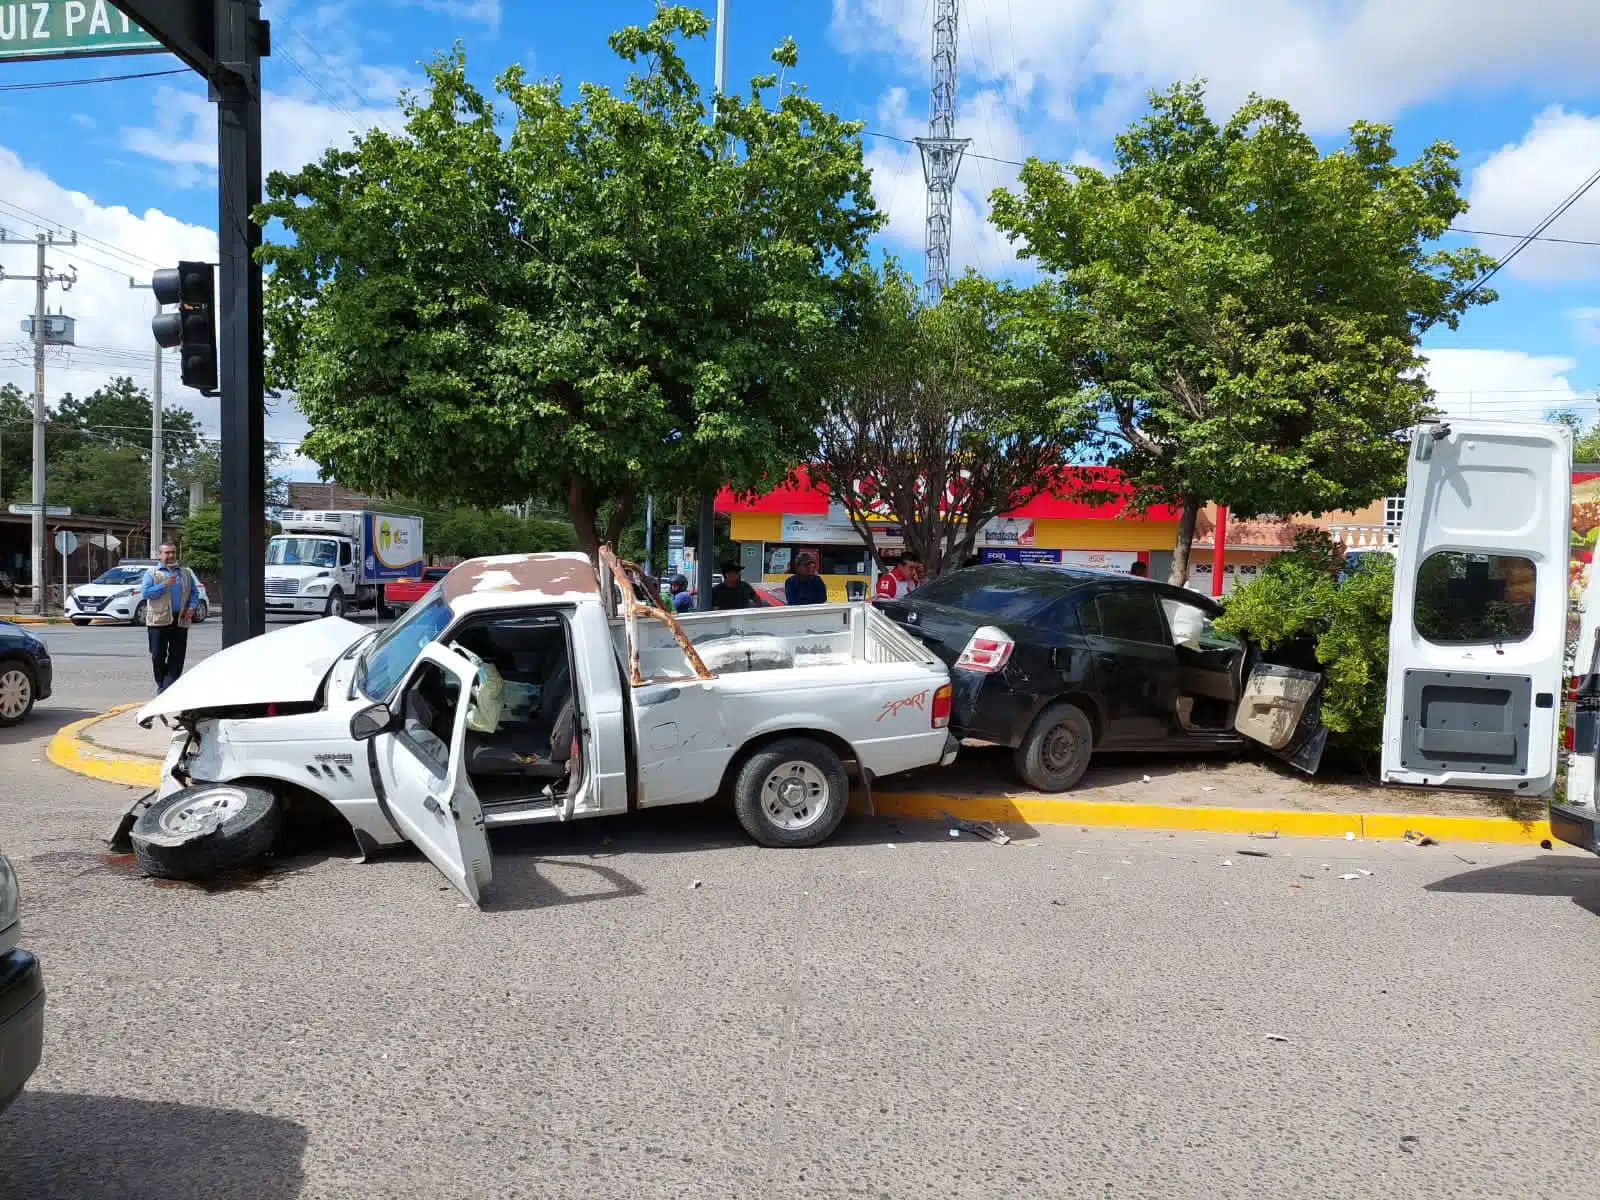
74 750
20 620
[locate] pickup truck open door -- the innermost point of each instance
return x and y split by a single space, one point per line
419 761
1478 634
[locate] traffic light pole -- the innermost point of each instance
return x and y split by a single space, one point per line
242 374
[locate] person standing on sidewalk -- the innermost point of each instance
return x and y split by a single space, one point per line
170 593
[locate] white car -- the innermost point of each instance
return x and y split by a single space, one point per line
115 596
529 688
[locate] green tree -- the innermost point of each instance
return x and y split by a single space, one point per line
16 442
620 295
1255 306
201 541
472 532
100 479
943 417
119 413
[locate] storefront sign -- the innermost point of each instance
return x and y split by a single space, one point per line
1093 560
1007 531
805 528
1022 554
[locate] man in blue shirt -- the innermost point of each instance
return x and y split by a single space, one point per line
682 597
805 586
171 595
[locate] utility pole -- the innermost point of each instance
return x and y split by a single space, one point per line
705 564
941 149
158 464
42 278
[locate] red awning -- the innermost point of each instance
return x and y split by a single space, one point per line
801 497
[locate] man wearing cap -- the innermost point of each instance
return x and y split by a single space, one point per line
805 586
733 591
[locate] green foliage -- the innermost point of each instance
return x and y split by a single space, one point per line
1255 306
97 479
201 541
119 414
945 416
16 445
606 301
471 532
1301 599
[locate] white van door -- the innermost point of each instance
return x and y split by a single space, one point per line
1480 607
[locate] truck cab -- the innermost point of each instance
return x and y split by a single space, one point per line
327 562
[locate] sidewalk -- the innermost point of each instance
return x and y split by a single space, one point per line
1242 797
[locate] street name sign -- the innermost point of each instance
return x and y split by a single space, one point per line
50 510
38 29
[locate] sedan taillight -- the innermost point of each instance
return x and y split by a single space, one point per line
987 652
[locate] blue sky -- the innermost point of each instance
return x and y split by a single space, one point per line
1513 87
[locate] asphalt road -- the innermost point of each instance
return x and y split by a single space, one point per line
895 1014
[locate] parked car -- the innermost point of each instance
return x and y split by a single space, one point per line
534 688
1059 664
114 595
403 593
26 672
21 996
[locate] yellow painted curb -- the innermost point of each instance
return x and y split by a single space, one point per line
1205 818
70 750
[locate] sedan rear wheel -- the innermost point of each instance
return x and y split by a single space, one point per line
1055 754
16 692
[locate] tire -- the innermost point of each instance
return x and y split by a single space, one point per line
1055 754
791 793
184 836
201 613
335 606
138 613
17 691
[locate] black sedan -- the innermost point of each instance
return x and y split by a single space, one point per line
25 672
1057 664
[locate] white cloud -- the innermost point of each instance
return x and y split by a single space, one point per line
1335 60
486 12
1505 385
113 320
1520 184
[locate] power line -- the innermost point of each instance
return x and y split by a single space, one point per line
66 83
1533 235
1491 233
40 221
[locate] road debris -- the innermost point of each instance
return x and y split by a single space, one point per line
694 885
1208 789
1471 862
1349 877
988 831
1144 779
1364 871
1266 837
1348 836
1418 838
1409 1142
1227 862
1545 845
1276 1037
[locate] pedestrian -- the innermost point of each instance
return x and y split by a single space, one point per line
733 591
805 586
171 595
901 580
682 597
1140 570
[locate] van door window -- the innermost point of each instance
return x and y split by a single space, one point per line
1464 598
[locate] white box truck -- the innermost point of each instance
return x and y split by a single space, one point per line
327 562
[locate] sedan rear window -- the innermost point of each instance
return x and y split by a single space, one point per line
1003 593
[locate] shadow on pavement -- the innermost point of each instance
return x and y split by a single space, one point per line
43 723
61 1144
1565 875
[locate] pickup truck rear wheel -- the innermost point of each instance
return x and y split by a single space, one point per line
791 793
204 829
1055 754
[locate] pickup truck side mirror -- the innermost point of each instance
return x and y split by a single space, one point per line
369 722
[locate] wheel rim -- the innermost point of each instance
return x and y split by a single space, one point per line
200 812
16 691
1060 749
336 607
138 614
795 795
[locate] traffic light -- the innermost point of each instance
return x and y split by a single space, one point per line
193 288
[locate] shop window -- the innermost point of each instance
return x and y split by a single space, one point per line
831 560
1464 598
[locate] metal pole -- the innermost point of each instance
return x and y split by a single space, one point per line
41 281
705 564
244 548
1219 547
158 487
649 532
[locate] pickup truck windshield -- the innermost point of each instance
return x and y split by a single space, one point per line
302 552
386 661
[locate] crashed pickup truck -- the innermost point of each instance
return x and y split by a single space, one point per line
528 688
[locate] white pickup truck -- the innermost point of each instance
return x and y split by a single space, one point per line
527 688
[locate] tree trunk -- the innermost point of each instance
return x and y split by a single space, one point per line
620 516
584 516
1185 542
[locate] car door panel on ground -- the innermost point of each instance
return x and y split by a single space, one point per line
1478 635
421 763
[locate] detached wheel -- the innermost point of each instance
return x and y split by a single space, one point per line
791 793
335 606
1055 754
16 692
205 829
